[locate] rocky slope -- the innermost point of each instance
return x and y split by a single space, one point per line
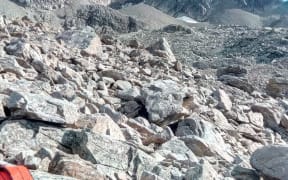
175 103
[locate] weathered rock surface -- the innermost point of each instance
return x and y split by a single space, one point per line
271 161
224 100
84 102
163 100
86 40
42 107
162 49
277 87
272 116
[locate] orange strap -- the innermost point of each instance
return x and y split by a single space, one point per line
15 173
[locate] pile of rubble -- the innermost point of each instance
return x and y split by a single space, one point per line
74 105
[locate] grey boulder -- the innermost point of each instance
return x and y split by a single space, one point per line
42 107
271 161
163 100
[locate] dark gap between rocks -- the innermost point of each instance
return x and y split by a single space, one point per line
174 127
7 111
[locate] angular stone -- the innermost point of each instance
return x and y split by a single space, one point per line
149 176
159 138
11 65
131 109
94 48
129 94
284 121
116 75
238 82
202 171
224 100
198 146
168 172
256 119
242 173
16 47
42 107
21 140
73 166
162 49
116 116
272 116
246 129
232 70
271 161
220 120
85 39
101 149
277 87
192 125
163 100
28 159
101 124
242 118
176 147
2 22
123 85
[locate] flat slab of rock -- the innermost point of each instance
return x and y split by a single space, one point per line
101 124
271 161
101 149
42 107
86 40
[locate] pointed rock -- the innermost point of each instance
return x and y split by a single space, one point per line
162 49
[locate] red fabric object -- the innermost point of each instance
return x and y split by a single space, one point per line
14 173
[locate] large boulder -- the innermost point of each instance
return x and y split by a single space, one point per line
271 161
85 39
162 48
163 100
22 142
203 138
98 150
42 107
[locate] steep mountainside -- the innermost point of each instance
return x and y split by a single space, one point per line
202 9
153 18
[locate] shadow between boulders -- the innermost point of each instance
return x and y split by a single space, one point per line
77 141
